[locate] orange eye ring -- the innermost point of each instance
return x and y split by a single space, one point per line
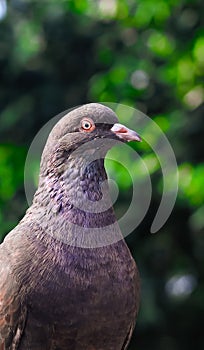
87 125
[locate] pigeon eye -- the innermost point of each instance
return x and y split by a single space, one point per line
87 124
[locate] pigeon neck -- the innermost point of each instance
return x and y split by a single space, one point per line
77 200
82 184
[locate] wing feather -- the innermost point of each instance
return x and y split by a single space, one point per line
12 308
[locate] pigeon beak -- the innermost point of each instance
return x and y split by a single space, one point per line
124 133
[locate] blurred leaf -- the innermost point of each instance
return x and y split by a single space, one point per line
198 51
12 161
191 183
29 40
161 44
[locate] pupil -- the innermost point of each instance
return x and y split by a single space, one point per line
87 125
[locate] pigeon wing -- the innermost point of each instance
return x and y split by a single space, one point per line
12 309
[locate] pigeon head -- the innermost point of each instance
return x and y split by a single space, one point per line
86 133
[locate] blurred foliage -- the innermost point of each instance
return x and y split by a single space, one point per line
149 55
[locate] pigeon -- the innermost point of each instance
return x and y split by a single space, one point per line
68 280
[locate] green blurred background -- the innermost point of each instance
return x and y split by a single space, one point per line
149 55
